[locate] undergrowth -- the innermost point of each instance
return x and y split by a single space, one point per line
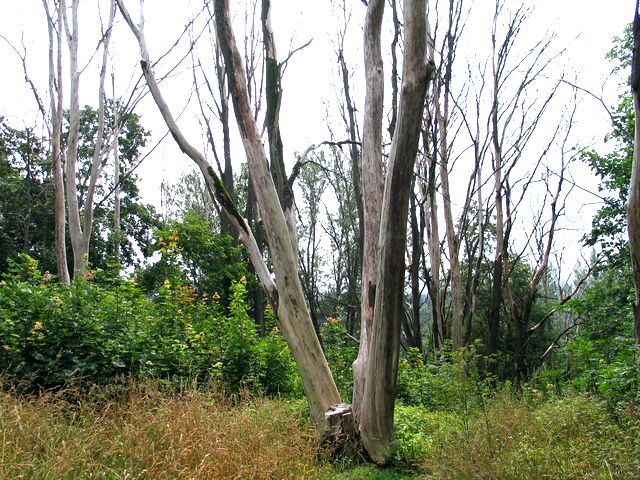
153 433
147 430
568 437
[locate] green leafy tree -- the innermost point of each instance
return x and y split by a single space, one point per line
609 229
137 219
26 196
192 254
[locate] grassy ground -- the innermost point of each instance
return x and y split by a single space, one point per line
145 432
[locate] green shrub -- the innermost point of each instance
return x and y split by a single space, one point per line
95 330
447 381
415 428
341 351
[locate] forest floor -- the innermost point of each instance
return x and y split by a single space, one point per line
147 431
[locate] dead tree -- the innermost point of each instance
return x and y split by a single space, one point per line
376 376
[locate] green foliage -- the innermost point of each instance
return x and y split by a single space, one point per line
341 351
448 381
614 168
27 195
615 376
190 252
137 219
98 329
415 428
600 357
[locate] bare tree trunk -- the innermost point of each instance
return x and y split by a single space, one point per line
633 202
227 174
80 228
473 280
382 348
73 207
372 191
272 119
55 91
288 298
256 293
457 313
414 332
435 259
354 156
376 424
500 253
117 231
293 315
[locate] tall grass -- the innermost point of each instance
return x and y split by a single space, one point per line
151 431
148 433
556 438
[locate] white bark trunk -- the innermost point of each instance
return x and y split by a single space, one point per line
376 424
73 208
56 100
372 189
80 225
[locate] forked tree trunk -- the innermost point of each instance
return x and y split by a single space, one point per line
55 92
286 293
376 422
633 203
81 224
381 344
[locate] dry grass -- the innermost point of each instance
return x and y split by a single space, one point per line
153 434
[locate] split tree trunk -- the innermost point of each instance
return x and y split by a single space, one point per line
381 341
80 225
376 422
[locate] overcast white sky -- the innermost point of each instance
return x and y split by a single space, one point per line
585 27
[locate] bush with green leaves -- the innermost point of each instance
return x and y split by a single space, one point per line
599 356
445 381
341 351
102 327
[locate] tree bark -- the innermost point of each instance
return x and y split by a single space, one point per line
493 317
376 424
80 226
273 92
297 328
117 232
56 102
372 191
435 258
457 313
633 202
414 331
